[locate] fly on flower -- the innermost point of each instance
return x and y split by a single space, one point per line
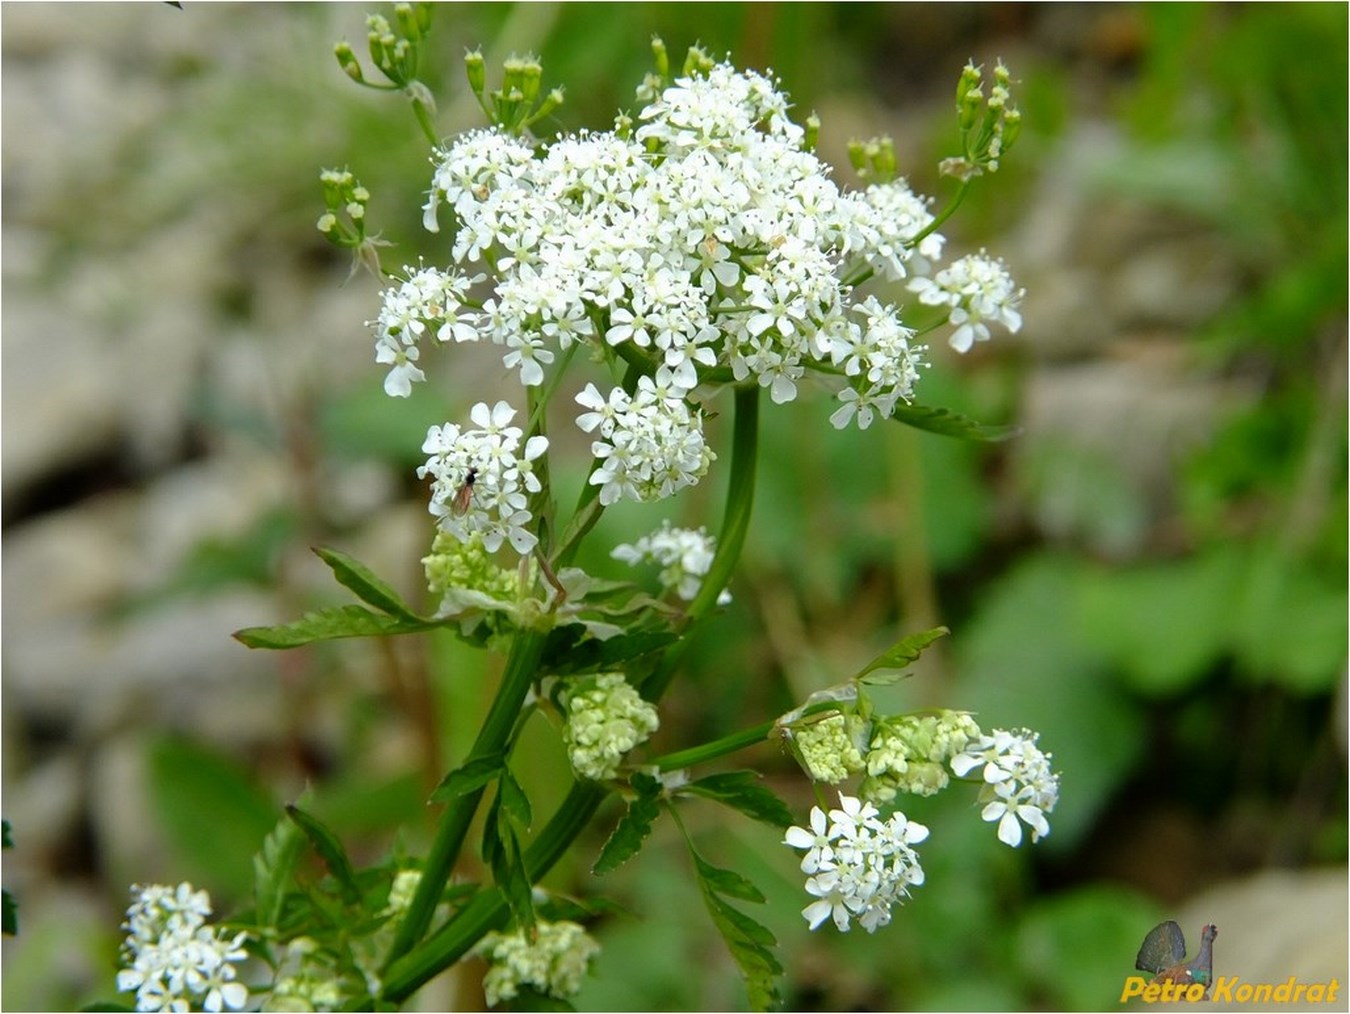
460 505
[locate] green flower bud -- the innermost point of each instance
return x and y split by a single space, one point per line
662 57
857 156
812 133
347 61
476 69
531 76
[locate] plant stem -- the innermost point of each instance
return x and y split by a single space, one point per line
492 739
731 539
409 969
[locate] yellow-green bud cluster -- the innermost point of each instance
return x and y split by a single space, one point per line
401 891
551 960
827 748
605 719
454 564
909 753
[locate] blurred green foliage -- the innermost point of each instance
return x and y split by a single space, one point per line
1194 666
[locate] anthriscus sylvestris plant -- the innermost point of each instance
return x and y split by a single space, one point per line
696 254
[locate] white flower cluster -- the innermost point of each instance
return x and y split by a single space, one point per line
977 289
708 239
551 961
683 554
173 957
1019 784
858 865
481 477
606 718
651 444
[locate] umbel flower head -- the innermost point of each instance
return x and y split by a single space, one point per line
1019 785
606 718
684 556
173 958
701 241
857 865
552 960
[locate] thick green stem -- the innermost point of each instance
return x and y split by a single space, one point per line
492 739
409 970
488 910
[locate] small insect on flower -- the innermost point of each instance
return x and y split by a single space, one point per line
460 505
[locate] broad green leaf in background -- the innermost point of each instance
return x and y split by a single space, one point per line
212 812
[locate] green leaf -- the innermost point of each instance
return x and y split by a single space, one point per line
329 624
273 867
469 777
904 652
749 944
568 652
949 424
6 835
727 882
532 1000
330 849
368 588
9 914
501 850
514 801
633 826
212 812
741 791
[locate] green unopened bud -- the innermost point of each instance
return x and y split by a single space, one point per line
1002 76
407 21
513 74
883 160
662 57
969 108
532 74
551 102
326 222
1012 126
812 134
623 126
857 156
476 70
697 62
970 78
420 94
347 60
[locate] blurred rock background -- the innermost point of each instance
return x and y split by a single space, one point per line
1152 574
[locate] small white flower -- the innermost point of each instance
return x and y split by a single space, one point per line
859 865
978 289
1019 784
684 555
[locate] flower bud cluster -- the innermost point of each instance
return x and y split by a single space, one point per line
453 566
829 746
907 754
857 865
173 958
551 960
606 718
1019 785
480 478
683 554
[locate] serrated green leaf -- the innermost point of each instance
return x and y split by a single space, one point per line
727 882
327 625
741 791
949 424
330 850
514 800
468 777
509 872
273 866
633 826
904 652
9 914
357 577
749 943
